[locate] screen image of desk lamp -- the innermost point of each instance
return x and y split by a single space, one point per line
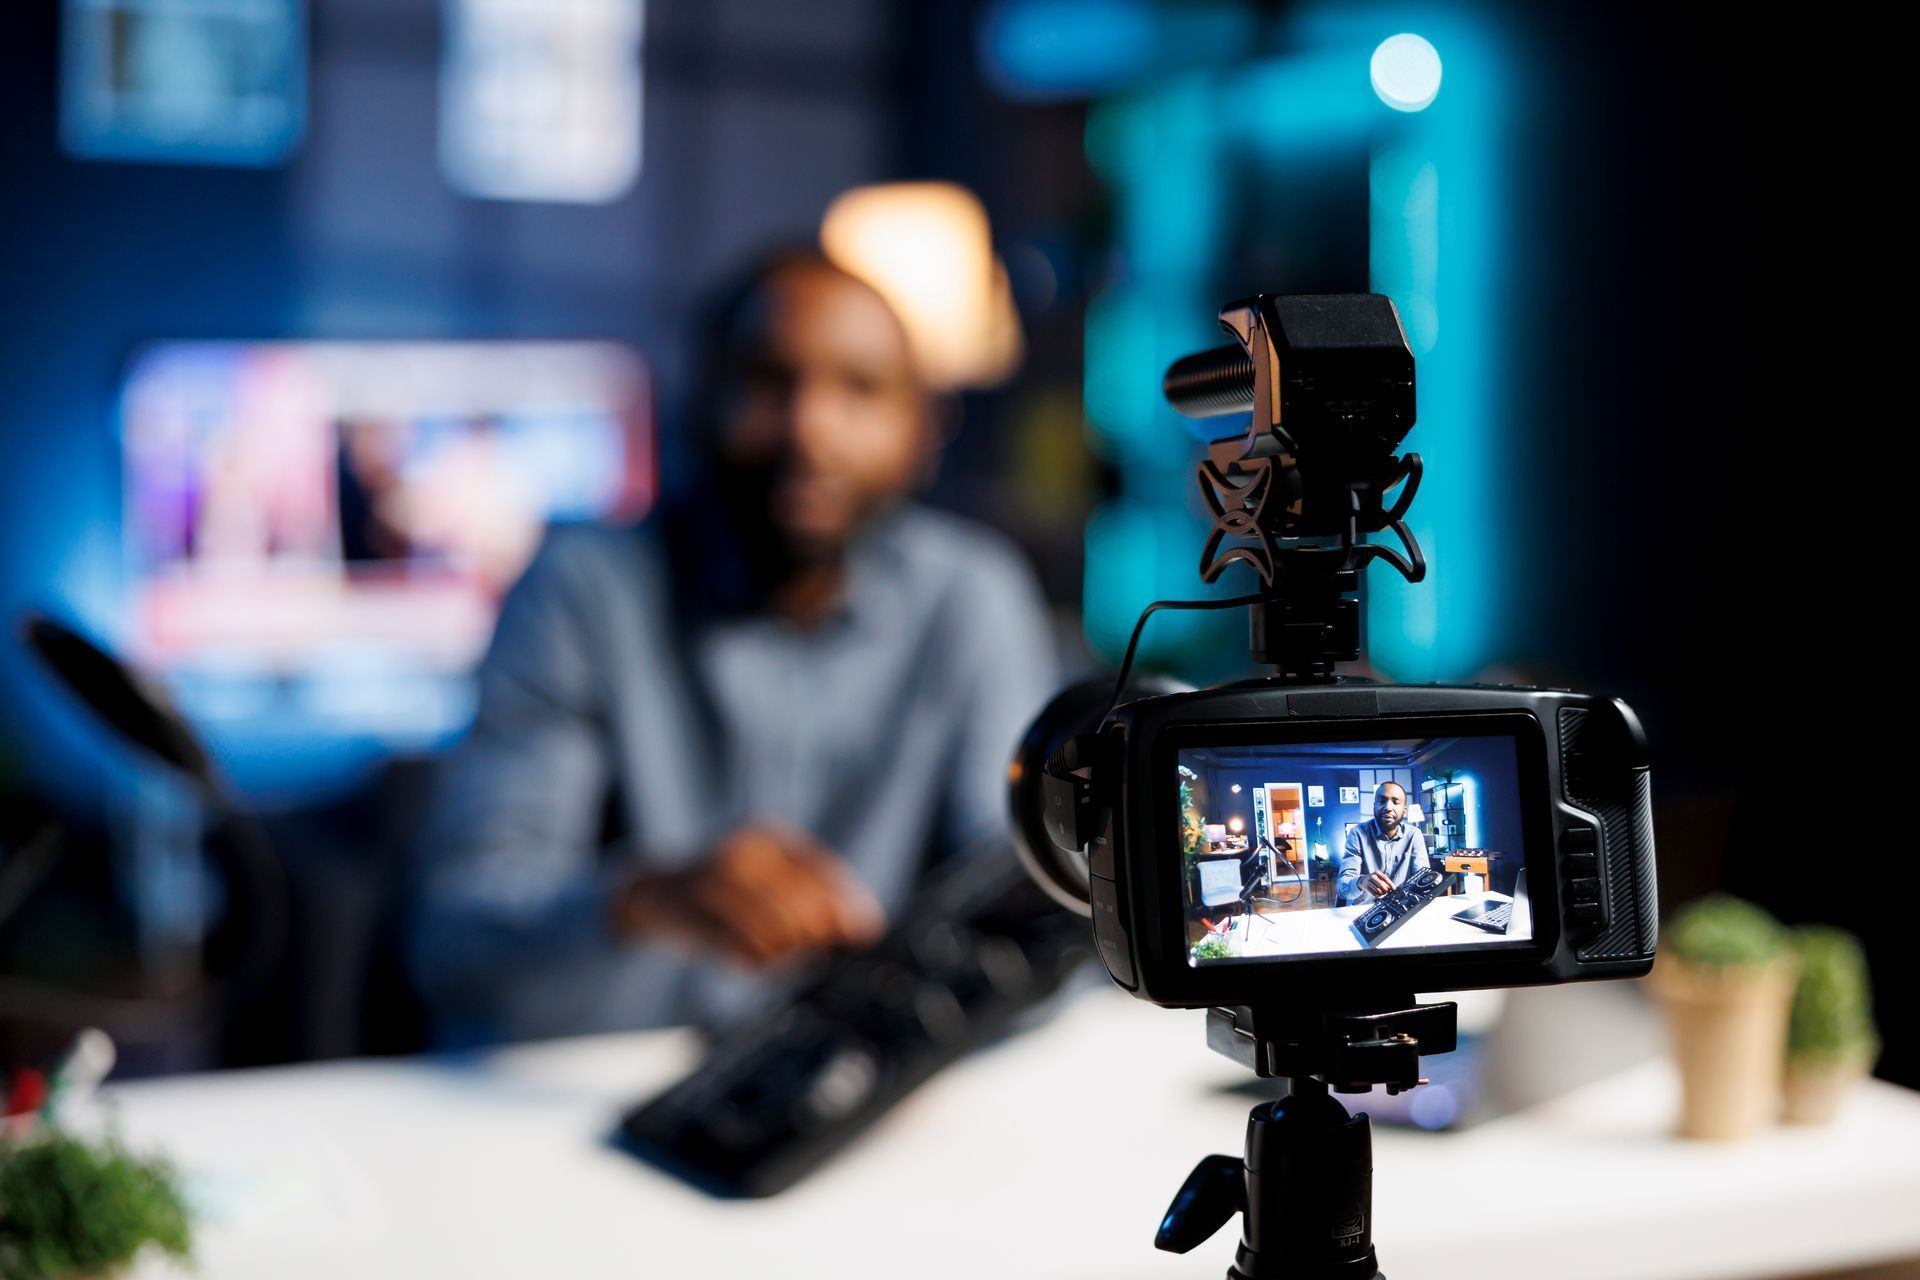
140 715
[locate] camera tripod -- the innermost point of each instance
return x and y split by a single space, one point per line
1327 384
1296 492
1305 1187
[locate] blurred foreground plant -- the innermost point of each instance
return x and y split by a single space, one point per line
1831 1042
1725 977
71 1208
1833 1003
1721 931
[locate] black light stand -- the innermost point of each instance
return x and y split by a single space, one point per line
140 714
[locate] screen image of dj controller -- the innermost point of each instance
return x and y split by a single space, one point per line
1395 908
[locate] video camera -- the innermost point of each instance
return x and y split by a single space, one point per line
1303 852
1544 793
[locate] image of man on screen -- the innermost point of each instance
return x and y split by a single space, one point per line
1382 853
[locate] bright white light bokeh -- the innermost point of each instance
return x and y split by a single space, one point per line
1406 72
542 101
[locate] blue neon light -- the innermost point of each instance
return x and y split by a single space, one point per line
1059 48
1041 50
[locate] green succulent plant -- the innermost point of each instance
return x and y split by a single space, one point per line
71 1208
1722 932
1212 949
1833 1004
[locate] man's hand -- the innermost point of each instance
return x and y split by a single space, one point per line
1378 884
764 895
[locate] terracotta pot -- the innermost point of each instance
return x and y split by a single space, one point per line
1815 1087
1729 1033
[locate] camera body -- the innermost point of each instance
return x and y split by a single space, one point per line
1559 781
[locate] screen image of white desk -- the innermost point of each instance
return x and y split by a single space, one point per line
1287 848
1254 936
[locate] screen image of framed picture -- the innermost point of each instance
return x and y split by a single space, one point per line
1316 797
1349 795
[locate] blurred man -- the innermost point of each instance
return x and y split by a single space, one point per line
788 690
1382 853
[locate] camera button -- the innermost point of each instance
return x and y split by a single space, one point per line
1100 860
1580 839
1109 933
1585 889
1586 915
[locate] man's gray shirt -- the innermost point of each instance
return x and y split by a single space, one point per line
1368 851
884 733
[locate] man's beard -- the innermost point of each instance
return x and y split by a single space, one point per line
779 550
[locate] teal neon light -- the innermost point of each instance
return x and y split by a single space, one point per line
1437 197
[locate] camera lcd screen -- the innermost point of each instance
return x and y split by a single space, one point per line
1324 848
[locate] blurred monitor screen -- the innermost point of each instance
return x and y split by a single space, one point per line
344 517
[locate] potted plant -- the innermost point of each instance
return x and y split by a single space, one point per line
1725 977
1212 947
1831 1041
1193 839
71 1208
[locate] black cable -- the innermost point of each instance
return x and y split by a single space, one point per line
1280 853
1126 663
1249 892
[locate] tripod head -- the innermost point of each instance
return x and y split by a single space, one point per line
1327 383
1347 1050
1304 1189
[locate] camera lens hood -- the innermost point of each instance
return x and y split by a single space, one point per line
1078 709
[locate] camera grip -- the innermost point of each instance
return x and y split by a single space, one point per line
1604 771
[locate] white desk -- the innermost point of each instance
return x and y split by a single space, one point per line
1329 929
1050 1157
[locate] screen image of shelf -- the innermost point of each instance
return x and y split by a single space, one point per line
1320 848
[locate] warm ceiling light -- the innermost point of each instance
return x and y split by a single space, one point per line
928 248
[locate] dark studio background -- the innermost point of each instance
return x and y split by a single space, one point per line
1692 469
